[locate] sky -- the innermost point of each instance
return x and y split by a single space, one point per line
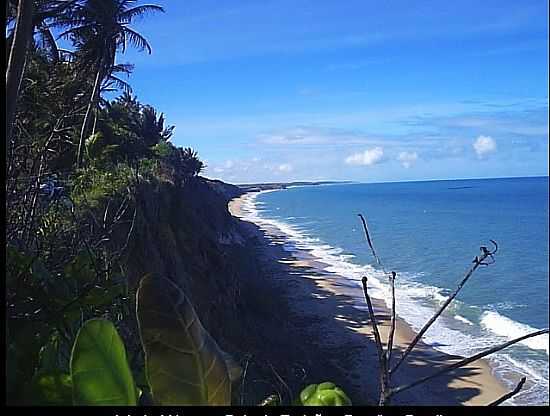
368 91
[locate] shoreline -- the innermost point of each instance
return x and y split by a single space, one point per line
474 384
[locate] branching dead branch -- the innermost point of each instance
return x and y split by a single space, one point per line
486 258
478 261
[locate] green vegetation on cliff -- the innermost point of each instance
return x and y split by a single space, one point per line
75 162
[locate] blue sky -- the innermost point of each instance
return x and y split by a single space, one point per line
356 90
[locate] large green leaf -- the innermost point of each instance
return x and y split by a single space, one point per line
99 367
183 362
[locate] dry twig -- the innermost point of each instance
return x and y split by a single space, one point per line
510 394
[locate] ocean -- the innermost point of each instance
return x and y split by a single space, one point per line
429 233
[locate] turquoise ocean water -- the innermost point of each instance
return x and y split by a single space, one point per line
429 232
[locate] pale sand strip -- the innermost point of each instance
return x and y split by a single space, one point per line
474 385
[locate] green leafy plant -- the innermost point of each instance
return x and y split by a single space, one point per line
184 364
323 394
54 389
99 367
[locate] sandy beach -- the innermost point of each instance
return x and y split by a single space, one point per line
322 311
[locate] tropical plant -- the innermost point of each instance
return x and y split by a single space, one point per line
28 16
65 247
323 394
183 363
100 28
16 62
152 128
192 165
100 373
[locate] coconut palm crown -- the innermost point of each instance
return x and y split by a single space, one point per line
99 29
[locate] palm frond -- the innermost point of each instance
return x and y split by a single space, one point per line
137 40
128 15
74 31
118 83
48 41
124 68
60 12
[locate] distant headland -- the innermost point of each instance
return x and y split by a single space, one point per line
284 185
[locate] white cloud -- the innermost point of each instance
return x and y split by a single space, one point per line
407 159
367 158
231 167
285 167
320 136
294 136
484 145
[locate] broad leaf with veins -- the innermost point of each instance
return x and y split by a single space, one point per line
183 362
99 367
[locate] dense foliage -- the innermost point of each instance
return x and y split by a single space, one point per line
73 161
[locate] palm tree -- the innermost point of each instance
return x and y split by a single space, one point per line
28 16
22 36
100 28
192 165
151 127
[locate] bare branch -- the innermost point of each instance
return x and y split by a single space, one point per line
389 348
383 370
369 241
510 394
468 360
478 261
377 338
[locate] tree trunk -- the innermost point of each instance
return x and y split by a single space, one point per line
16 62
89 109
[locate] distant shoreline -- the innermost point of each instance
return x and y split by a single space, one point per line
253 187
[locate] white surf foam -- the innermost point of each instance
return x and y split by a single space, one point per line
464 320
510 369
510 329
